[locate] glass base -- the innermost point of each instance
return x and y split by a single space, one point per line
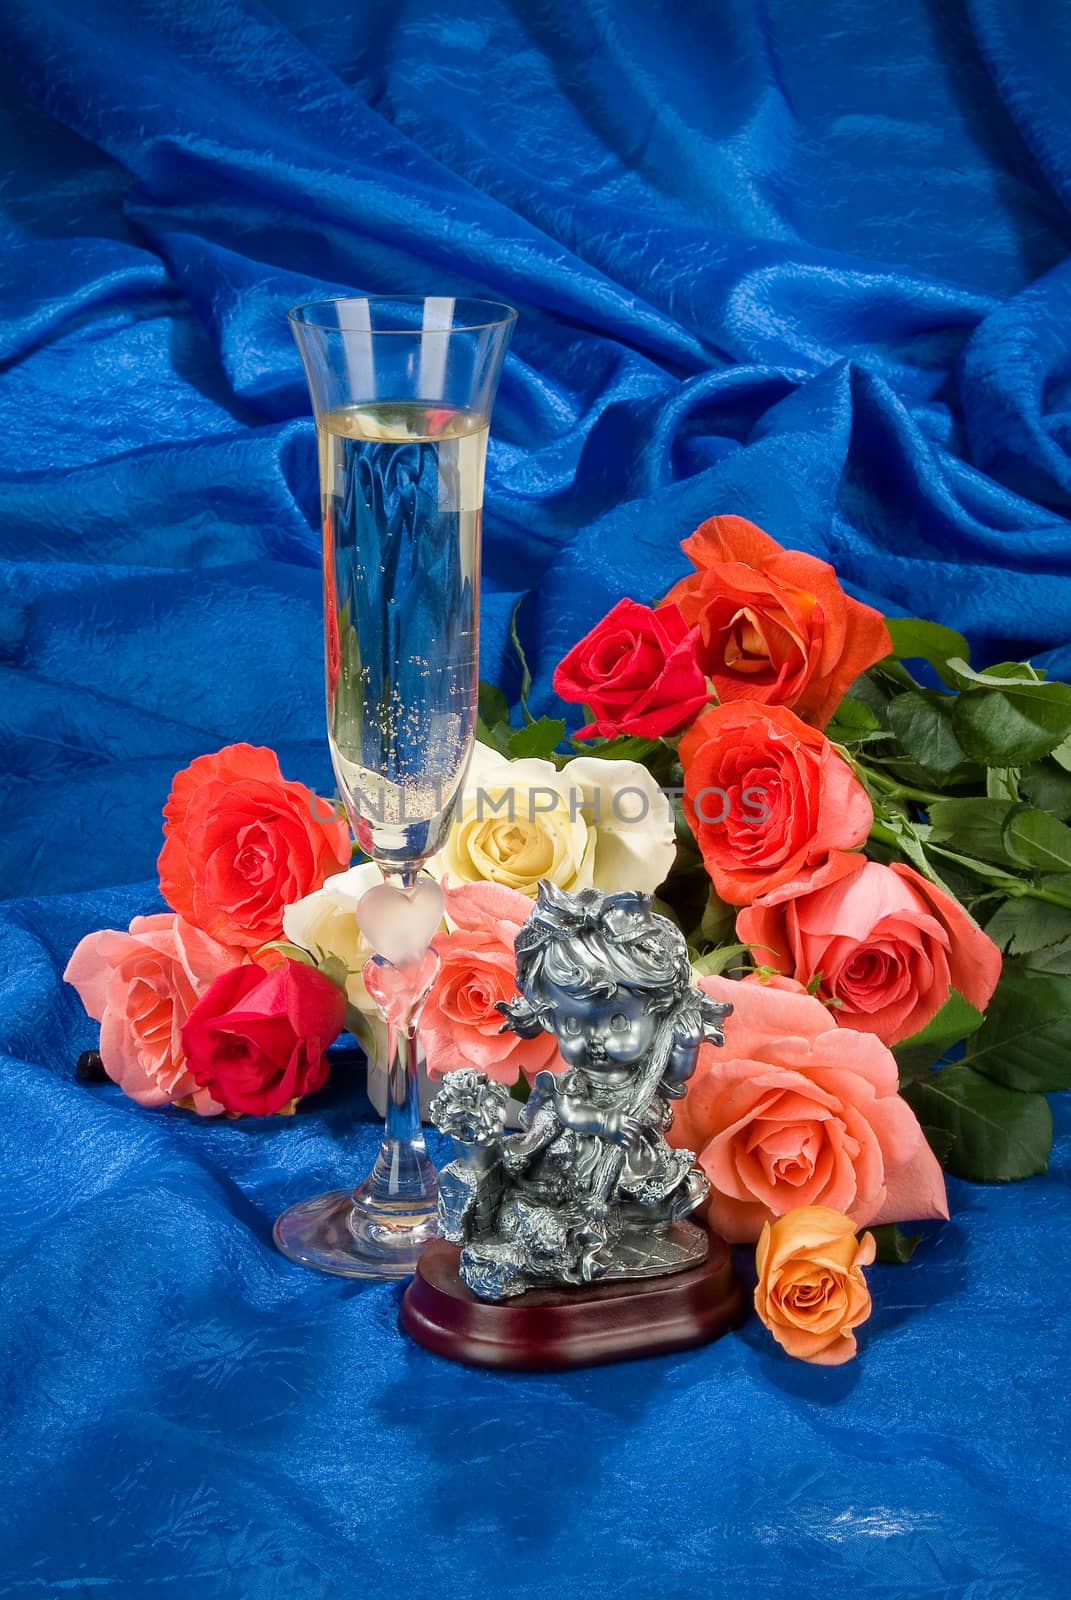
348 1233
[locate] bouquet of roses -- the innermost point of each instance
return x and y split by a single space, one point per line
862 836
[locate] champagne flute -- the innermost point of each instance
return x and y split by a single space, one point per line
402 390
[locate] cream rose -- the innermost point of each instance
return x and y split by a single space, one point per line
597 822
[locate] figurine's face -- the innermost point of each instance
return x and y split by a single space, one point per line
601 1033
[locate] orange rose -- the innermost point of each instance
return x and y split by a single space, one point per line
811 1291
882 941
795 1111
769 800
774 625
241 844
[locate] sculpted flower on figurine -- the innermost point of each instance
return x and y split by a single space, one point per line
769 799
638 672
796 1111
811 1292
882 941
141 987
774 624
241 843
596 823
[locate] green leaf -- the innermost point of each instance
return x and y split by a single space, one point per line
1062 754
1037 840
853 724
894 1246
989 1133
1025 1040
714 963
493 705
1002 783
892 827
1004 727
521 1090
956 1019
496 738
924 722
718 922
1006 674
361 1028
916 640
526 676
1047 786
1054 958
975 826
539 739
335 968
1024 925
292 952
629 747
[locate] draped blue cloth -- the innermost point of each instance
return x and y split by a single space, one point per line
808 264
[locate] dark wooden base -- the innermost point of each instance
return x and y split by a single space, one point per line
548 1329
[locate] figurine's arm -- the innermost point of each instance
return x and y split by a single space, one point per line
583 1117
684 1053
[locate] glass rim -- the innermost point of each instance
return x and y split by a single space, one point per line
298 314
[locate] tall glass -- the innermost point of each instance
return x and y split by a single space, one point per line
402 390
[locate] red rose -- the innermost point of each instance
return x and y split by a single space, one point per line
774 625
769 801
241 844
637 670
884 942
256 1039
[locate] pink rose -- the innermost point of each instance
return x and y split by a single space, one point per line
141 986
884 942
794 1111
461 1026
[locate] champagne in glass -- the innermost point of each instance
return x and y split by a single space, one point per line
402 390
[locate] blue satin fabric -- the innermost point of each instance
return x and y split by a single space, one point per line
808 264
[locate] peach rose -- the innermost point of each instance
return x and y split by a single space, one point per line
141 986
241 843
769 800
794 1111
461 1026
884 942
774 624
811 1291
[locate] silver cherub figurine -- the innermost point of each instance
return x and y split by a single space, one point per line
589 1190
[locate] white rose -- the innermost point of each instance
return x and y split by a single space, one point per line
325 924
597 822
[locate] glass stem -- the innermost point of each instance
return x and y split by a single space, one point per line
403 1088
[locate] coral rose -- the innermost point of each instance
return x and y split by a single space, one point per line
461 1025
882 941
638 672
141 986
241 843
774 625
597 822
811 1291
769 800
257 1039
794 1111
